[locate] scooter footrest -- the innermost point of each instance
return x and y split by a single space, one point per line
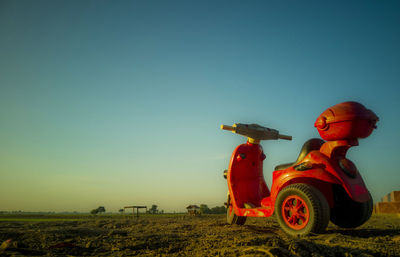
249 206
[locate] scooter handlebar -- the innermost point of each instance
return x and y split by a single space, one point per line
285 137
255 132
226 127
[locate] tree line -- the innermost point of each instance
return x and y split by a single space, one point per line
215 210
154 210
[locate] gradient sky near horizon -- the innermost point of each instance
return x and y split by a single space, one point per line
117 103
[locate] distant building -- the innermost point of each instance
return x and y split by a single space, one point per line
193 209
390 203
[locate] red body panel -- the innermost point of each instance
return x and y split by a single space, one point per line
325 172
317 177
246 181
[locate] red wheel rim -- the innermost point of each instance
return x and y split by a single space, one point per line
295 212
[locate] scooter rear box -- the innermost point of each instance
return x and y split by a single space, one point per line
348 120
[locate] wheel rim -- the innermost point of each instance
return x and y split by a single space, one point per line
295 212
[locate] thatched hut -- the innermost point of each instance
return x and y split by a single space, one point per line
193 209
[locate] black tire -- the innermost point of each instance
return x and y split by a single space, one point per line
347 213
231 217
301 222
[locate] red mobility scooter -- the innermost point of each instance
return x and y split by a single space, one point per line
322 185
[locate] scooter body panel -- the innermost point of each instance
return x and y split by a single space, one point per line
354 185
246 182
315 177
325 171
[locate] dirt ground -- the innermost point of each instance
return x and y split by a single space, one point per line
182 235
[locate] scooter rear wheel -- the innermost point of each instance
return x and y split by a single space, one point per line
231 217
301 209
347 213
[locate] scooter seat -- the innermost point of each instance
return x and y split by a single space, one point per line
310 145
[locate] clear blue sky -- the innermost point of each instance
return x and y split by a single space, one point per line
119 102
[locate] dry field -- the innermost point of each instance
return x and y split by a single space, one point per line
182 235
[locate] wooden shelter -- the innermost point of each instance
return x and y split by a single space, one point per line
137 209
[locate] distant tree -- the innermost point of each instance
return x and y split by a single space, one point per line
204 209
218 210
153 209
101 209
98 210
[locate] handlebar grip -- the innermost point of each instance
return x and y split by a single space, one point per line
285 137
226 127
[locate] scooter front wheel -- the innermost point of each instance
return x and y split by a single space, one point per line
302 209
231 217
